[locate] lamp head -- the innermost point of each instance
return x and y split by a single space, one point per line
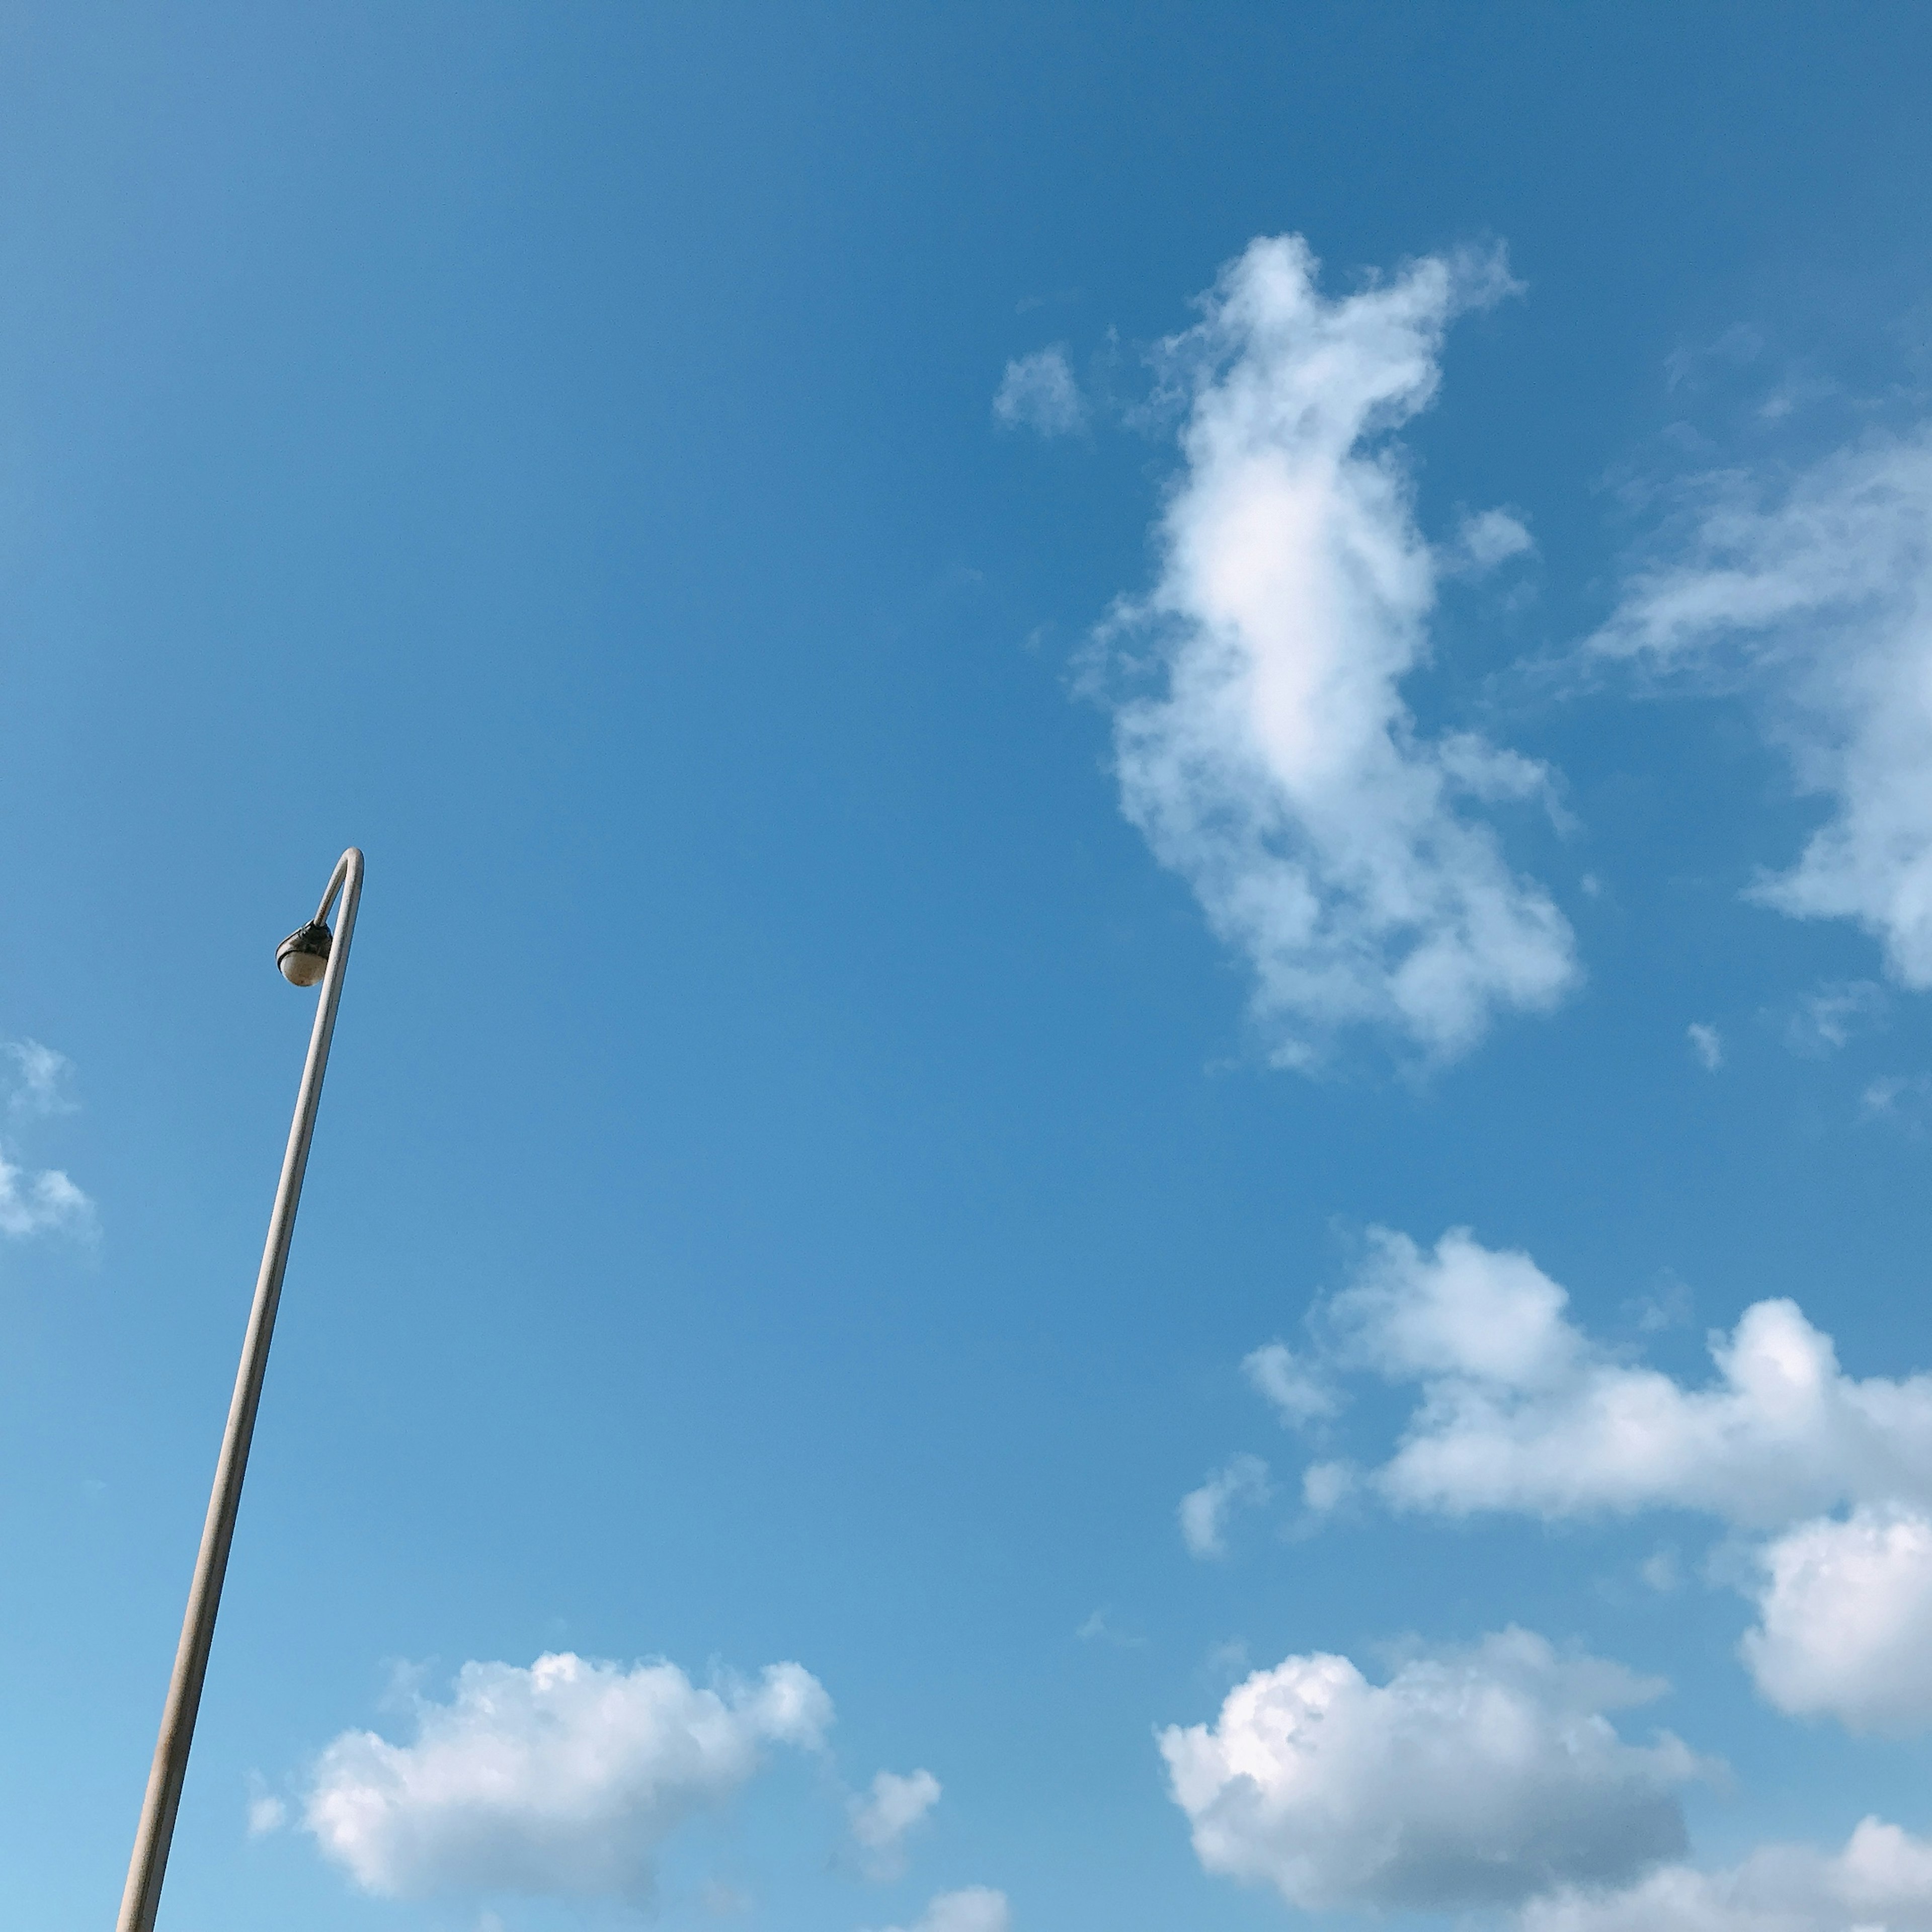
304 955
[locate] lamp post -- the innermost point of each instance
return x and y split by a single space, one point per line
310 954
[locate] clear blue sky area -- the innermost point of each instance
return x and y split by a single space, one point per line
987 788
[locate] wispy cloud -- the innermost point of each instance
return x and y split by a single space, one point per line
1707 1043
1099 1628
1276 765
1299 1389
45 1202
41 1204
1039 392
42 1079
1828 1018
976 1908
266 1812
1812 588
560 1780
1204 1512
1904 1100
1484 540
882 1816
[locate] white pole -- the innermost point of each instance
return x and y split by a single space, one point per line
142 1898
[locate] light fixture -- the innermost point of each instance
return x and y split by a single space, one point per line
304 955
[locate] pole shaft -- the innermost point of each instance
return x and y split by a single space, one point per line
142 1897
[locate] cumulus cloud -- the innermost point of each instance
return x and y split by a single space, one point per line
561 1779
1881 1882
1039 392
1521 1411
1707 1043
1204 1511
883 1816
1474 1778
1814 589
1845 1620
977 1908
1276 765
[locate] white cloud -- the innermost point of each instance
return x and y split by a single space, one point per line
43 1078
1845 1620
1038 392
1099 1628
266 1812
1904 1101
1823 1021
977 1908
1327 1486
48 1202
1707 1043
1486 539
1816 590
883 1817
1520 1411
560 1779
1204 1511
1297 1387
1881 1882
1228 1660
1480 1777
1659 1569
39 1203
1278 769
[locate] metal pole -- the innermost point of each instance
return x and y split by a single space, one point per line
142 1898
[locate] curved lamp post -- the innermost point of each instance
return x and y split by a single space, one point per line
311 954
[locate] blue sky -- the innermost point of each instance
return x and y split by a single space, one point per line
1131 1129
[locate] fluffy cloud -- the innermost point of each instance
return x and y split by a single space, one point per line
1278 769
883 1817
977 1908
1204 1511
1816 592
1707 1043
560 1779
1845 1620
1478 1778
1881 1882
1521 1411
1038 392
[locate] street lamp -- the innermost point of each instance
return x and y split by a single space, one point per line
310 954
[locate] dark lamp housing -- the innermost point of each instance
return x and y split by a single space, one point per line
304 955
